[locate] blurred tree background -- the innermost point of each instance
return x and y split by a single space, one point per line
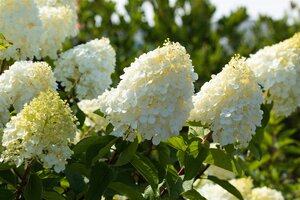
210 44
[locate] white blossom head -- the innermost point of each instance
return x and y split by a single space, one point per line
277 69
59 20
230 104
23 81
265 193
40 131
21 25
36 28
153 98
87 67
212 191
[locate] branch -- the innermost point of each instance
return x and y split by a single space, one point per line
23 182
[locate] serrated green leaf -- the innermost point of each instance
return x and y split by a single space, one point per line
127 154
227 186
177 143
144 166
101 153
172 180
192 195
126 190
221 159
195 155
33 189
101 176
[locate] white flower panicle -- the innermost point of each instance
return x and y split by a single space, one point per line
230 104
36 28
154 95
277 69
265 193
21 83
89 65
59 20
92 119
212 191
40 131
20 24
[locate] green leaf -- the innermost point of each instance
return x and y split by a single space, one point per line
5 166
146 169
76 181
192 195
80 169
52 196
255 150
172 180
3 42
126 190
127 154
6 194
266 108
84 144
221 159
95 152
8 177
227 186
194 158
177 143
33 189
98 112
101 176
79 114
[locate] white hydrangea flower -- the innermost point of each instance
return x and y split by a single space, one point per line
20 24
230 104
92 119
90 65
37 28
265 193
212 191
21 83
59 20
154 95
277 69
40 131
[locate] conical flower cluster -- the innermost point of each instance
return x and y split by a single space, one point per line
40 131
230 104
36 28
154 97
88 65
277 69
21 83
